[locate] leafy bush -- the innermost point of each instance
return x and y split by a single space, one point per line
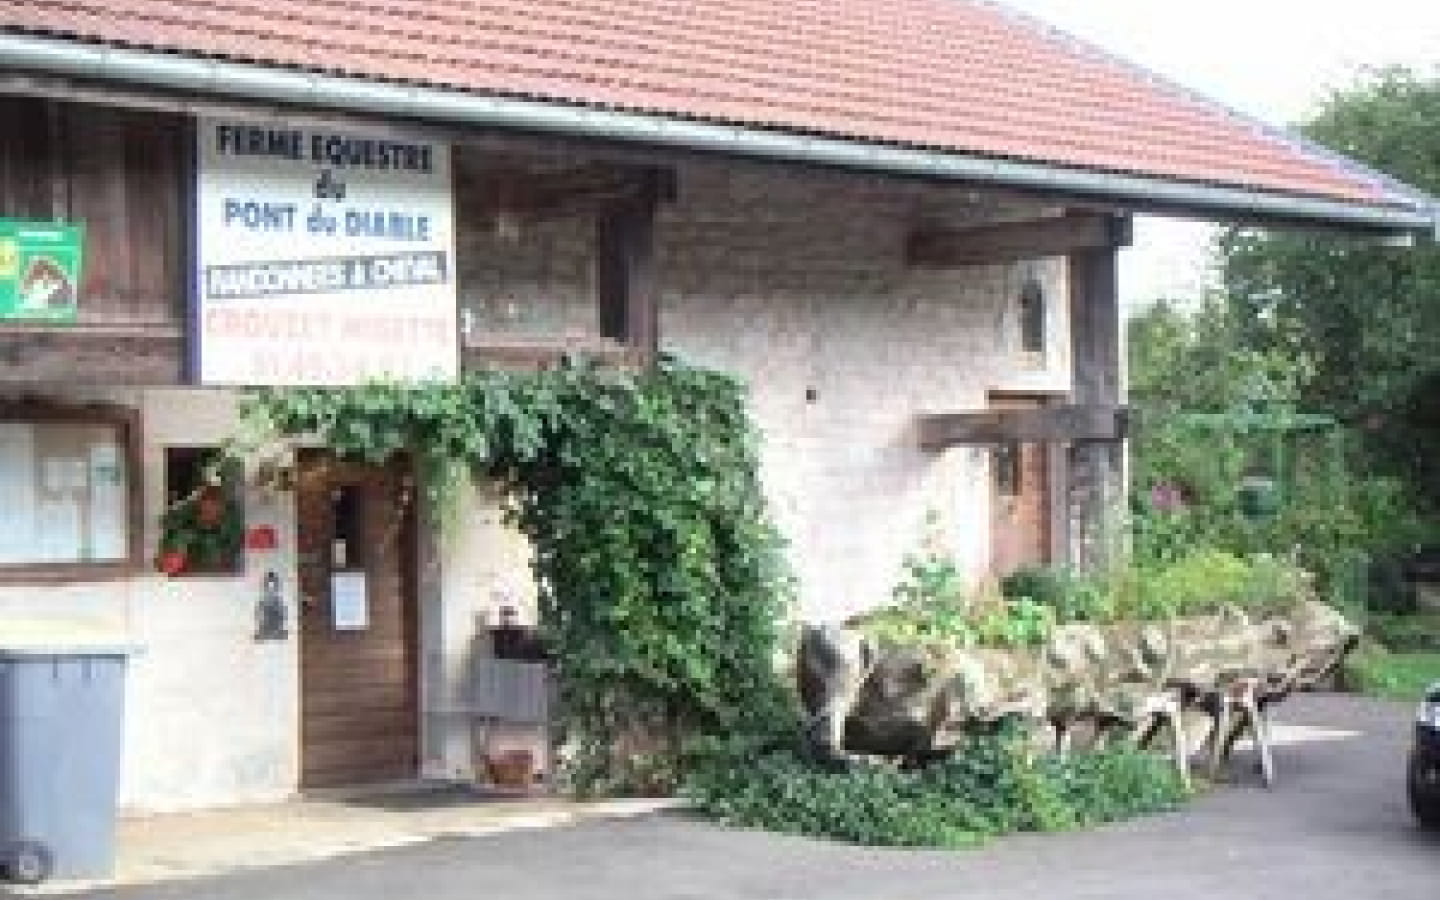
1202 581
1405 633
1071 595
1013 623
931 606
1376 671
990 787
1208 580
934 606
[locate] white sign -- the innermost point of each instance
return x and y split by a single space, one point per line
349 601
324 258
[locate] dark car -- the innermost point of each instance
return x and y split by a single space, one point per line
1424 780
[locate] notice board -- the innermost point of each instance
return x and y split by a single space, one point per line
40 269
324 258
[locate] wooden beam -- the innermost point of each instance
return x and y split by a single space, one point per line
541 355
1094 327
1049 423
1012 241
91 355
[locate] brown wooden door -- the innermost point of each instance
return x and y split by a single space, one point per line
358 709
1020 499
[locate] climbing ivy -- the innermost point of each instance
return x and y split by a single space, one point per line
662 585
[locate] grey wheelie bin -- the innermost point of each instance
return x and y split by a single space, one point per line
61 704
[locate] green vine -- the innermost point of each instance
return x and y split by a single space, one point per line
662 585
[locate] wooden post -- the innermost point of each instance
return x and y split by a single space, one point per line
1095 492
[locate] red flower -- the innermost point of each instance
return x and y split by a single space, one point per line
172 562
209 507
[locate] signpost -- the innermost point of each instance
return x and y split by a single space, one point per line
323 258
40 268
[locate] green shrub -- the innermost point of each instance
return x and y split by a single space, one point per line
1376 671
931 605
989 788
1013 623
1073 596
934 606
1405 633
1201 581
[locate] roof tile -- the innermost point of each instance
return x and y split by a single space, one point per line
960 75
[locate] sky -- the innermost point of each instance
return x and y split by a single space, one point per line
1275 59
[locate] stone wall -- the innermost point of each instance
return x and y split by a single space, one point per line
797 282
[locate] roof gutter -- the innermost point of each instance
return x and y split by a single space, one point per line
212 76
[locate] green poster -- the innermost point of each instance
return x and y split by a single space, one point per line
40 270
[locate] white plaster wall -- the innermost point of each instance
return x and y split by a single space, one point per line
211 715
473 567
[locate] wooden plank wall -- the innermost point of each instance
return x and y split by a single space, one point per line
122 173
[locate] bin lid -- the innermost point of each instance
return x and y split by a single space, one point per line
62 637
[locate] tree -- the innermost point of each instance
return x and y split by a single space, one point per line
1185 477
1366 316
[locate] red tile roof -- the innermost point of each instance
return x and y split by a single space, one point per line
957 75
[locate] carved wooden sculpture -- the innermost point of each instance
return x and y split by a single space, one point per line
1128 680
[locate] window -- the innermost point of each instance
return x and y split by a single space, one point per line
1032 317
203 519
1006 466
559 258
67 487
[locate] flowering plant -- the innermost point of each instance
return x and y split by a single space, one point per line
1167 496
201 532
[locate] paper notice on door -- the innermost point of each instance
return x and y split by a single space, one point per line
349 603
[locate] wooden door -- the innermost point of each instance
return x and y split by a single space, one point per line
1020 499
358 698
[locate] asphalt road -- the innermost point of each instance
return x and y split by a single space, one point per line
1335 827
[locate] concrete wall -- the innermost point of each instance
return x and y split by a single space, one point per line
211 714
